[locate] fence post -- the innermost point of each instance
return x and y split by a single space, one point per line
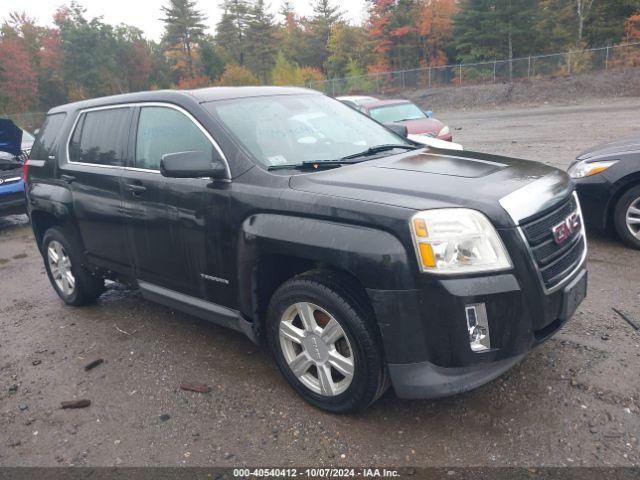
378 82
606 59
429 76
403 81
333 87
569 63
494 71
460 74
529 69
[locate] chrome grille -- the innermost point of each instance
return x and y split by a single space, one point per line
555 262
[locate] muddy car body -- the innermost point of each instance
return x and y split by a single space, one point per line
393 264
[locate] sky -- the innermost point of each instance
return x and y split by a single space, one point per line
144 14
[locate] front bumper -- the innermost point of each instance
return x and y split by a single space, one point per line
425 332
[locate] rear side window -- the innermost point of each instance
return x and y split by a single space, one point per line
100 137
163 130
46 139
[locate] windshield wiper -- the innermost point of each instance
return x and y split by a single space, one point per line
309 165
379 149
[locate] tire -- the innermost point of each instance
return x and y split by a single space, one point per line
626 213
323 377
86 288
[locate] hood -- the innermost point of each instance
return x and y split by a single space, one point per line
426 179
423 125
10 137
617 147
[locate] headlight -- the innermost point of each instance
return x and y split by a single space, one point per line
457 240
584 169
444 131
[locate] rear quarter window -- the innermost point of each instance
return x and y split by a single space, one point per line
47 137
100 137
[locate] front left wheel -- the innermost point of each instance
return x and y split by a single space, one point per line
323 336
626 217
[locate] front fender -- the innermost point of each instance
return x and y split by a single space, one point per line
375 257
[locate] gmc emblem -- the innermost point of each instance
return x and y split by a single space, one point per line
563 231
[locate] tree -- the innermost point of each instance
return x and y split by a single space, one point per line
347 43
286 73
18 79
183 26
318 29
490 29
606 22
261 41
235 76
232 29
291 38
435 28
632 28
212 62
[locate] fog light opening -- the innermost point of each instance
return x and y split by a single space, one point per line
478 327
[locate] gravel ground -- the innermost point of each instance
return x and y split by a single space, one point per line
573 401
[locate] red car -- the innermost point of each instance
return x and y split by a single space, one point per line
408 114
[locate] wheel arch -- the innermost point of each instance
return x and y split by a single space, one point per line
274 248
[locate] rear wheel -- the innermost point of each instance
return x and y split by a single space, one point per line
324 340
73 283
627 217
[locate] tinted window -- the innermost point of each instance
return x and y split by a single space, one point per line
46 139
165 130
100 137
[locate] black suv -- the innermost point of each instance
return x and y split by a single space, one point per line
362 259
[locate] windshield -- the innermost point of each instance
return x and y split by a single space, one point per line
292 129
396 113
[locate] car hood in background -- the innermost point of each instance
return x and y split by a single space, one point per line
433 178
423 125
617 147
10 137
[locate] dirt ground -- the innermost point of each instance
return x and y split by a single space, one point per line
573 401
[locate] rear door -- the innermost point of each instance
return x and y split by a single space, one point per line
96 154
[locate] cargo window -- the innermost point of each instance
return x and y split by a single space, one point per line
100 137
163 130
45 142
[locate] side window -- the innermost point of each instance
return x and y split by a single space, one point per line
163 130
100 137
46 138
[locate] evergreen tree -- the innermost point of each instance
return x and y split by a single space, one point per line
261 41
232 30
490 29
183 27
212 62
319 29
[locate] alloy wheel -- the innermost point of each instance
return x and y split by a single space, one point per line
316 349
633 218
60 267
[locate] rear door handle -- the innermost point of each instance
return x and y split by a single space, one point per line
67 178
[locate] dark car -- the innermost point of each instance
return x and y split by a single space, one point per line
15 145
361 259
408 114
607 179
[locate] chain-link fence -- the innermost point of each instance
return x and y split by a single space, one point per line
498 71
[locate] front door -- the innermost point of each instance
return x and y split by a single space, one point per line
168 218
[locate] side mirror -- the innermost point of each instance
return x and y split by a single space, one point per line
429 113
192 165
398 128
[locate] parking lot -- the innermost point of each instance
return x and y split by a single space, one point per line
573 401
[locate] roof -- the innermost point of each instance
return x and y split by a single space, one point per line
385 103
200 95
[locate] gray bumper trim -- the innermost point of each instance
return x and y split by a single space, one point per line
426 380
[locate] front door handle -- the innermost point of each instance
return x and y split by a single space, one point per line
67 178
136 188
